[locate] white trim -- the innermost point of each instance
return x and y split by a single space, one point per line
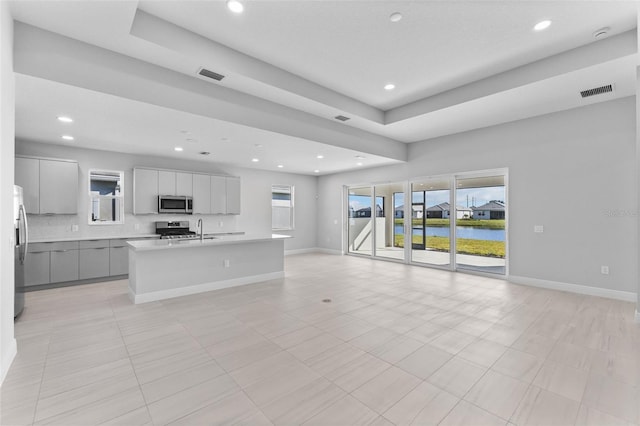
301 251
201 288
575 288
7 359
638 317
329 251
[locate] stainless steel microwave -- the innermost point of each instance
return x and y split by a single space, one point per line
176 204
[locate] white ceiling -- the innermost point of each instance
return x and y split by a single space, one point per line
457 65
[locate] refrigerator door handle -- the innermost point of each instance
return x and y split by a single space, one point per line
23 219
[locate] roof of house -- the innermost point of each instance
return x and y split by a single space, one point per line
491 205
445 206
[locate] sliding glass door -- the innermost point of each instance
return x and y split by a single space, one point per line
480 224
389 222
430 223
360 224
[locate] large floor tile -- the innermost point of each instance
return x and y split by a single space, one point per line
464 414
497 394
457 376
347 411
387 388
425 361
424 405
541 407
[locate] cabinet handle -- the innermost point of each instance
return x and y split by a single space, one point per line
60 251
100 248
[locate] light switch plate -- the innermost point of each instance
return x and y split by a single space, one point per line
74 228
538 229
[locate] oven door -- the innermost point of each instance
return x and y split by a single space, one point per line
172 204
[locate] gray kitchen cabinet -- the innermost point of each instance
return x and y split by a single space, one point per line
118 257
218 195
94 259
50 186
27 175
36 268
145 191
58 187
184 184
64 265
201 194
233 194
166 182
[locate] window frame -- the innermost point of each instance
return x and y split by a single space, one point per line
290 207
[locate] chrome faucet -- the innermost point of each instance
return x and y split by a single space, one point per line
199 225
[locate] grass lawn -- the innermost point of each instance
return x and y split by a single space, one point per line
463 245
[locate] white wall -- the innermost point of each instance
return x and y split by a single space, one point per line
7 132
581 160
256 197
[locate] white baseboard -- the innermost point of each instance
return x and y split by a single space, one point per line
7 359
201 288
300 251
627 296
638 317
312 250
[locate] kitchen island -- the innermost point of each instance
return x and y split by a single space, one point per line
162 269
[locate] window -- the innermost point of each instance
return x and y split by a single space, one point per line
106 197
282 207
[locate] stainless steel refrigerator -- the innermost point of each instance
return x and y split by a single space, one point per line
22 241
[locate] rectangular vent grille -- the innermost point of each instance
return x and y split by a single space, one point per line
597 91
341 118
214 75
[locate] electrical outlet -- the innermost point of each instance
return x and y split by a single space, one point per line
538 229
604 270
136 226
74 228
227 263
220 224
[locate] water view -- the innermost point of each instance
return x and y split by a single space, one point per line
467 232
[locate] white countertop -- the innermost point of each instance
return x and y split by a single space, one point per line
144 245
110 237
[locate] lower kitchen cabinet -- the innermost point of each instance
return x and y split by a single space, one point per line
36 268
64 266
118 261
94 261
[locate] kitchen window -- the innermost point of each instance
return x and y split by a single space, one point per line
106 197
282 207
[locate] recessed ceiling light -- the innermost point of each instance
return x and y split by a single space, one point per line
360 157
316 171
542 25
358 164
255 160
280 166
395 17
65 119
235 6
178 148
319 156
389 86
67 137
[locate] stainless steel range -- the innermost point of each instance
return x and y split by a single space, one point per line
174 230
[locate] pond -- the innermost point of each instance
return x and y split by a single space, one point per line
467 232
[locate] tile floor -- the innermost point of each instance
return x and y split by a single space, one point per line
397 345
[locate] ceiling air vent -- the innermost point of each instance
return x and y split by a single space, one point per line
597 91
210 74
341 118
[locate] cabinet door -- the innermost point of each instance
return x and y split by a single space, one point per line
233 195
218 195
145 191
167 183
64 265
118 261
36 268
94 262
184 184
58 187
201 194
27 175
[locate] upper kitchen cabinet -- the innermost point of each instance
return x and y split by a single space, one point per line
218 195
175 183
145 191
50 186
201 194
233 195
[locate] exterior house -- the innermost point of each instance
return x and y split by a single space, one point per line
398 212
494 209
443 211
366 212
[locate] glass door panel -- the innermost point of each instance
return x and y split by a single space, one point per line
480 224
360 228
430 225
389 221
